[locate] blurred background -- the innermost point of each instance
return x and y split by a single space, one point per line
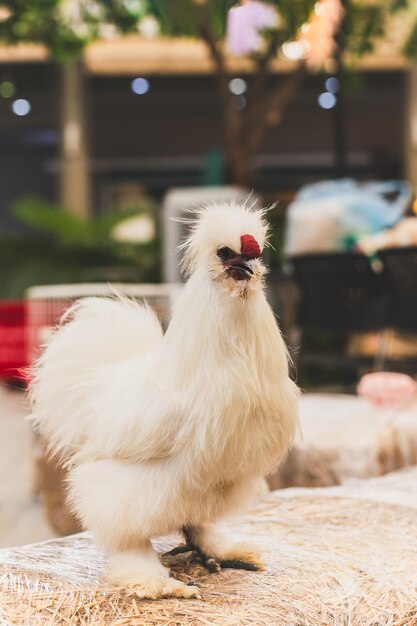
118 115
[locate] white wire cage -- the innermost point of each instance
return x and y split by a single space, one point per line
46 305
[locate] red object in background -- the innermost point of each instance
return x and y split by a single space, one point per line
12 338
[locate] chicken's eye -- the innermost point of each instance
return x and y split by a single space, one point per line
225 253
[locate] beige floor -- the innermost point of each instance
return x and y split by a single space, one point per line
21 515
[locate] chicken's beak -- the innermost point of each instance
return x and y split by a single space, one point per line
240 269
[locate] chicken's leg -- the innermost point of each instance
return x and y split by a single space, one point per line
115 502
140 572
213 550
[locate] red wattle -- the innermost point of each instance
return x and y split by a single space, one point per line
249 247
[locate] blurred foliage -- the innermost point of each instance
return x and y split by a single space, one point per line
411 45
185 17
63 248
69 229
365 21
67 26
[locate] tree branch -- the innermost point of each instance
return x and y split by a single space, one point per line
232 118
246 129
217 56
263 63
269 111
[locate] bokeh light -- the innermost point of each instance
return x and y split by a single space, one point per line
293 50
7 89
21 107
332 84
140 86
238 103
327 100
238 86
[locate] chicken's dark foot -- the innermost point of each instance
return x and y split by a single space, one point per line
197 556
233 564
212 564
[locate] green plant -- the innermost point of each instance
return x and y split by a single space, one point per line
62 248
66 27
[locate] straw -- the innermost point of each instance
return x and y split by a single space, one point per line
341 556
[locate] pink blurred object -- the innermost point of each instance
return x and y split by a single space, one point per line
319 32
244 23
387 388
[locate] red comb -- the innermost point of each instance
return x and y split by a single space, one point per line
250 247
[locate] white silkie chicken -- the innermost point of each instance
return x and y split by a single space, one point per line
170 433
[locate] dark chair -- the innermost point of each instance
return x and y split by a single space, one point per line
400 276
339 294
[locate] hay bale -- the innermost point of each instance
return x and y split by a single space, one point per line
342 556
344 437
307 467
397 443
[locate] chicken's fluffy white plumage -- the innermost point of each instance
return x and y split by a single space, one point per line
169 432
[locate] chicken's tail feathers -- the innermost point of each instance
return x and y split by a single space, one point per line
93 333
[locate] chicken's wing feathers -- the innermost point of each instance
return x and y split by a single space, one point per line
69 380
